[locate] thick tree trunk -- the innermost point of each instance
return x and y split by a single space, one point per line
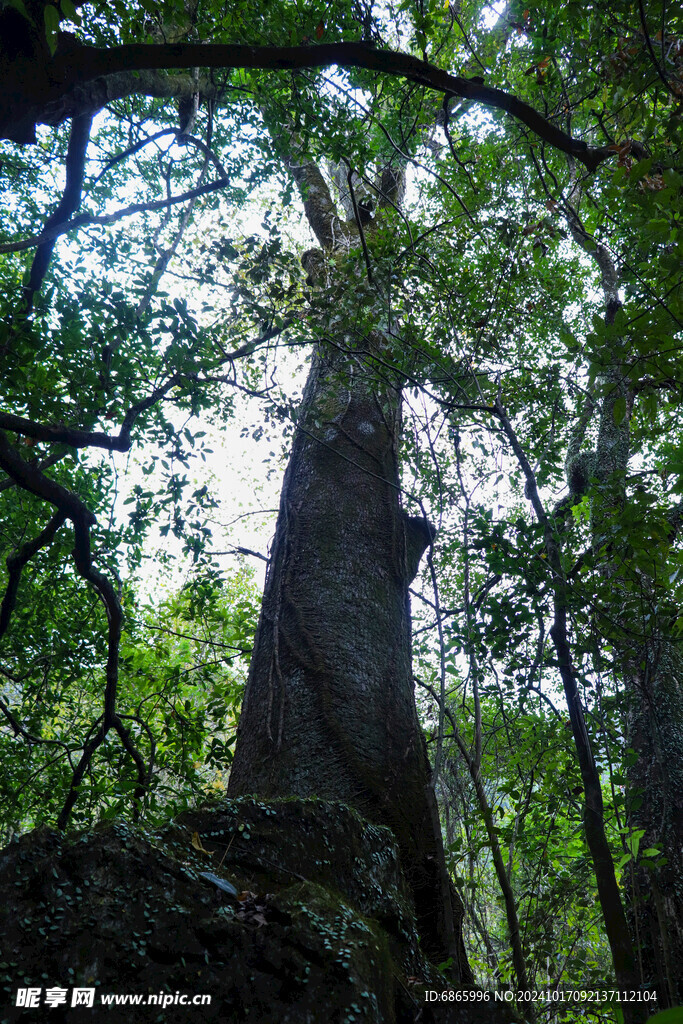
329 708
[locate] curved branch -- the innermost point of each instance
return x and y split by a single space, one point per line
68 204
50 460
85 63
70 506
16 563
80 770
75 438
19 730
144 773
25 472
75 65
31 479
66 435
136 147
83 561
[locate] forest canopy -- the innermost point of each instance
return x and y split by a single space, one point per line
464 219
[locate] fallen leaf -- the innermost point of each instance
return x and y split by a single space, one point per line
220 883
197 843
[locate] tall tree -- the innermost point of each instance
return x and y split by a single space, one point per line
329 710
477 292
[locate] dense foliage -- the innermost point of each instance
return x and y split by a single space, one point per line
530 261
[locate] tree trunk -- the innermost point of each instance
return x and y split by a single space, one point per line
653 678
329 708
639 631
655 808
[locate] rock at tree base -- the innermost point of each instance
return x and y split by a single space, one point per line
319 929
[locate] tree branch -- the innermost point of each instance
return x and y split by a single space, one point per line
15 564
82 438
70 506
653 56
86 219
41 464
29 477
74 65
93 96
359 223
594 823
320 209
83 561
76 438
68 204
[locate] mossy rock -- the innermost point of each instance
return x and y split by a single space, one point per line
319 927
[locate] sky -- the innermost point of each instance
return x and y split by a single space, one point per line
244 460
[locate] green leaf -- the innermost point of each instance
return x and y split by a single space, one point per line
51 16
674 1015
20 6
633 841
69 11
619 410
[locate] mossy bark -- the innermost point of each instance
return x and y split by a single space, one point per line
329 708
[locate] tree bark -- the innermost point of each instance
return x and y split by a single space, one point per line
650 661
655 887
329 709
